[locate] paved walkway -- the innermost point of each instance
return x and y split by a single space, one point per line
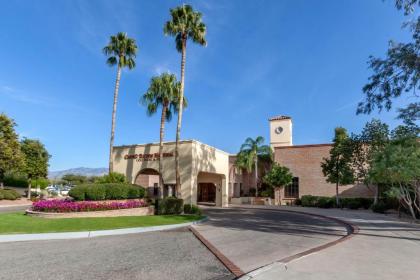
384 248
251 238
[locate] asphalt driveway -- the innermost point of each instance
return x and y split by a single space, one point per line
251 238
175 254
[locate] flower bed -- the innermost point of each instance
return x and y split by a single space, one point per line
63 206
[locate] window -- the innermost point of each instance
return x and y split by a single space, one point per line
292 190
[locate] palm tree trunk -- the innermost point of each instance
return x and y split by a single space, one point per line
256 176
337 200
29 187
376 198
114 111
178 127
162 131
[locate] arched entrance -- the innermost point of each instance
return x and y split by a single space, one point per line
209 188
149 179
206 192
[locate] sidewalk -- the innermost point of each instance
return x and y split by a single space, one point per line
384 248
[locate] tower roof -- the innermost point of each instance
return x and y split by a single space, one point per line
279 117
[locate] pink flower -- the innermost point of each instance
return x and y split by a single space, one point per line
61 206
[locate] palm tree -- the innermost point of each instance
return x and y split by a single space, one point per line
163 92
252 150
185 24
121 51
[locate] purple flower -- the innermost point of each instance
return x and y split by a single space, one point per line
61 206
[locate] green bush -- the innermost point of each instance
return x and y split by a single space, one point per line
192 209
325 202
15 180
78 192
41 182
110 191
9 194
112 177
169 206
309 200
298 202
354 204
96 192
379 207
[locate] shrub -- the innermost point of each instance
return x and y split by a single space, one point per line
116 191
354 204
169 206
15 180
95 192
1 195
112 177
325 202
192 209
78 192
379 207
309 200
267 193
252 192
365 203
41 182
298 201
9 194
136 192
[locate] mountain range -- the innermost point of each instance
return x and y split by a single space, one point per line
85 171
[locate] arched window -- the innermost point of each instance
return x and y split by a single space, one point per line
292 190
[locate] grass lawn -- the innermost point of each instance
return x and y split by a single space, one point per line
20 223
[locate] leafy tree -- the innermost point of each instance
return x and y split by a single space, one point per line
121 51
337 168
11 158
278 176
74 179
396 74
372 140
163 92
36 160
399 165
251 151
112 177
185 24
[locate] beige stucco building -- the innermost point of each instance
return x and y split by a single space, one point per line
209 174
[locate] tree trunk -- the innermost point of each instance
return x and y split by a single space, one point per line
337 200
29 187
162 131
178 126
376 198
256 176
114 111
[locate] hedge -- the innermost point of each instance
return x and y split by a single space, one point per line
192 209
329 202
169 206
9 194
109 191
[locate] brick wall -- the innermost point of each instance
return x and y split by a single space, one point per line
304 161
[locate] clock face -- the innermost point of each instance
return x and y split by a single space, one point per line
278 130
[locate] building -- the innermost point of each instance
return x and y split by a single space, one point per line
210 175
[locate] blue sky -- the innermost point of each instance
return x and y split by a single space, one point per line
302 58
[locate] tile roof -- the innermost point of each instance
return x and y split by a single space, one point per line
279 117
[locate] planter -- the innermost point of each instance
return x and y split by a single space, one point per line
140 211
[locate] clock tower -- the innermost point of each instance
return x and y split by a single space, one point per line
280 131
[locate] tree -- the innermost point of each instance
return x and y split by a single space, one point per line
372 140
163 92
250 152
74 179
278 176
185 24
337 168
36 160
121 51
11 158
397 74
399 165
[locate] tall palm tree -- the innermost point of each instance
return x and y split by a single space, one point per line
185 24
251 151
163 92
121 51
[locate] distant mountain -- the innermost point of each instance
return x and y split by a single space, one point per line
85 171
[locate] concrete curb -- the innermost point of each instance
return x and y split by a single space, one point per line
89 234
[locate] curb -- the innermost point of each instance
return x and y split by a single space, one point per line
222 258
88 234
351 231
